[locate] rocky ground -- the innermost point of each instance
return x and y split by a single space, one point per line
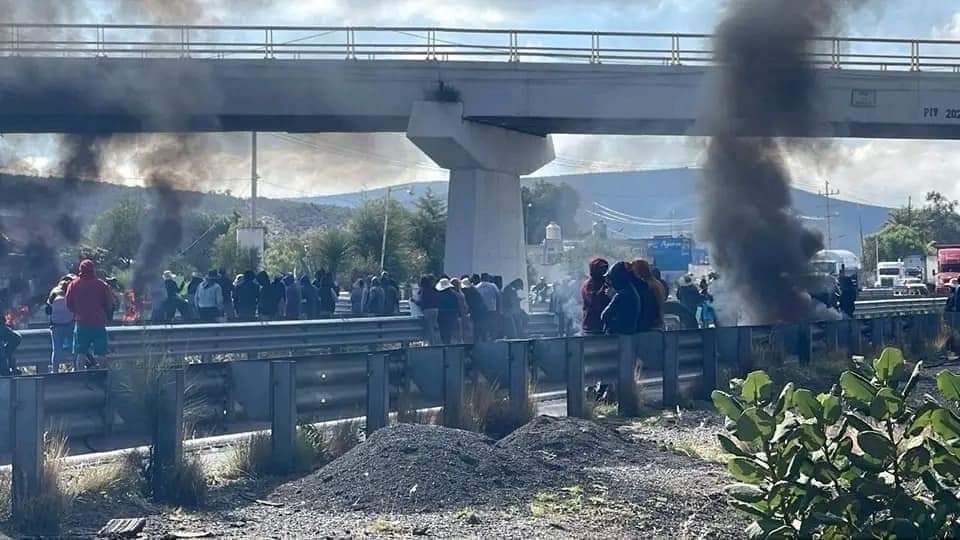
555 477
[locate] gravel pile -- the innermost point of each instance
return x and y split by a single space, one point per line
410 467
569 441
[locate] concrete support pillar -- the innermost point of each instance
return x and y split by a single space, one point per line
485 231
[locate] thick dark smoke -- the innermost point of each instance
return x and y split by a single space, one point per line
172 164
765 91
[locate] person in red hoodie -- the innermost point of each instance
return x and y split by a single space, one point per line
595 297
90 300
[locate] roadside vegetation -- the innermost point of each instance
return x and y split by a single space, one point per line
862 459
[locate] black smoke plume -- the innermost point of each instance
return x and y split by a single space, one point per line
766 92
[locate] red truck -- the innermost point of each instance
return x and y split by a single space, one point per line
948 266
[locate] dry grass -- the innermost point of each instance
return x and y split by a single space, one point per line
487 409
102 479
186 485
342 439
699 449
591 501
382 525
249 458
43 514
5 495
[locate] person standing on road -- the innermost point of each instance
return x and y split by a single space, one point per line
328 293
688 295
356 297
391 295
426 301
226 287
375 297
293 297
595 297
173 303
267 303
448 311
90 300
247 296
491 300
848 293
621 314
61 324
642 269
9 341
209 298
310 301
195 280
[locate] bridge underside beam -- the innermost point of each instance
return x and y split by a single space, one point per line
485 229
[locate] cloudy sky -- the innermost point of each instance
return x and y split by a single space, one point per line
876 171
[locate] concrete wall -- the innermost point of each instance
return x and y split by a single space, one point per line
73 94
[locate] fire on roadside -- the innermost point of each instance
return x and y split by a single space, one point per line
132 311
14 317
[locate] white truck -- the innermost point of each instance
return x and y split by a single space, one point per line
890 275
831 261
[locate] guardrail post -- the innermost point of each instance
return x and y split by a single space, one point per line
778 344
519 369
27 423
855 337
745 349
378 391
452 387
831 336
168 435
932 325
804 343
671 369
627 403
283 413
711 365
877 332
896 334
575 397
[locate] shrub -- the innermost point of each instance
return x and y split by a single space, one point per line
858 461
42 514
487 410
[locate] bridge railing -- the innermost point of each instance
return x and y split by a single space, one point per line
443 44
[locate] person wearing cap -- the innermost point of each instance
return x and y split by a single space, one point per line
196 278
448 311
61 323
89 299
475 309
209 298
173 303
688 295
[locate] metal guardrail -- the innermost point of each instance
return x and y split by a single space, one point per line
899 306
442 44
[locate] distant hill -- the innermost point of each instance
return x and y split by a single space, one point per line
93 198
668 194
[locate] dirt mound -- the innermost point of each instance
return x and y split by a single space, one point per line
569 440
419 467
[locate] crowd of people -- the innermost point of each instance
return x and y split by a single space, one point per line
252 296
625 298
469 309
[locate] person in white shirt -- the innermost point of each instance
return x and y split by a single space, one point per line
209 298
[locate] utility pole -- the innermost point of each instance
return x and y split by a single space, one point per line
386 222
829 216
253 179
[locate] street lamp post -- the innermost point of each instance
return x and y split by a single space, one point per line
386 222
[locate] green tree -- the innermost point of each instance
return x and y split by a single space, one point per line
935 221
225 253
329 249
285 254
545 202
366 232
894 242
200 232
118 230
428 230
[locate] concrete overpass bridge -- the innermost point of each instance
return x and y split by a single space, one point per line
480 103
